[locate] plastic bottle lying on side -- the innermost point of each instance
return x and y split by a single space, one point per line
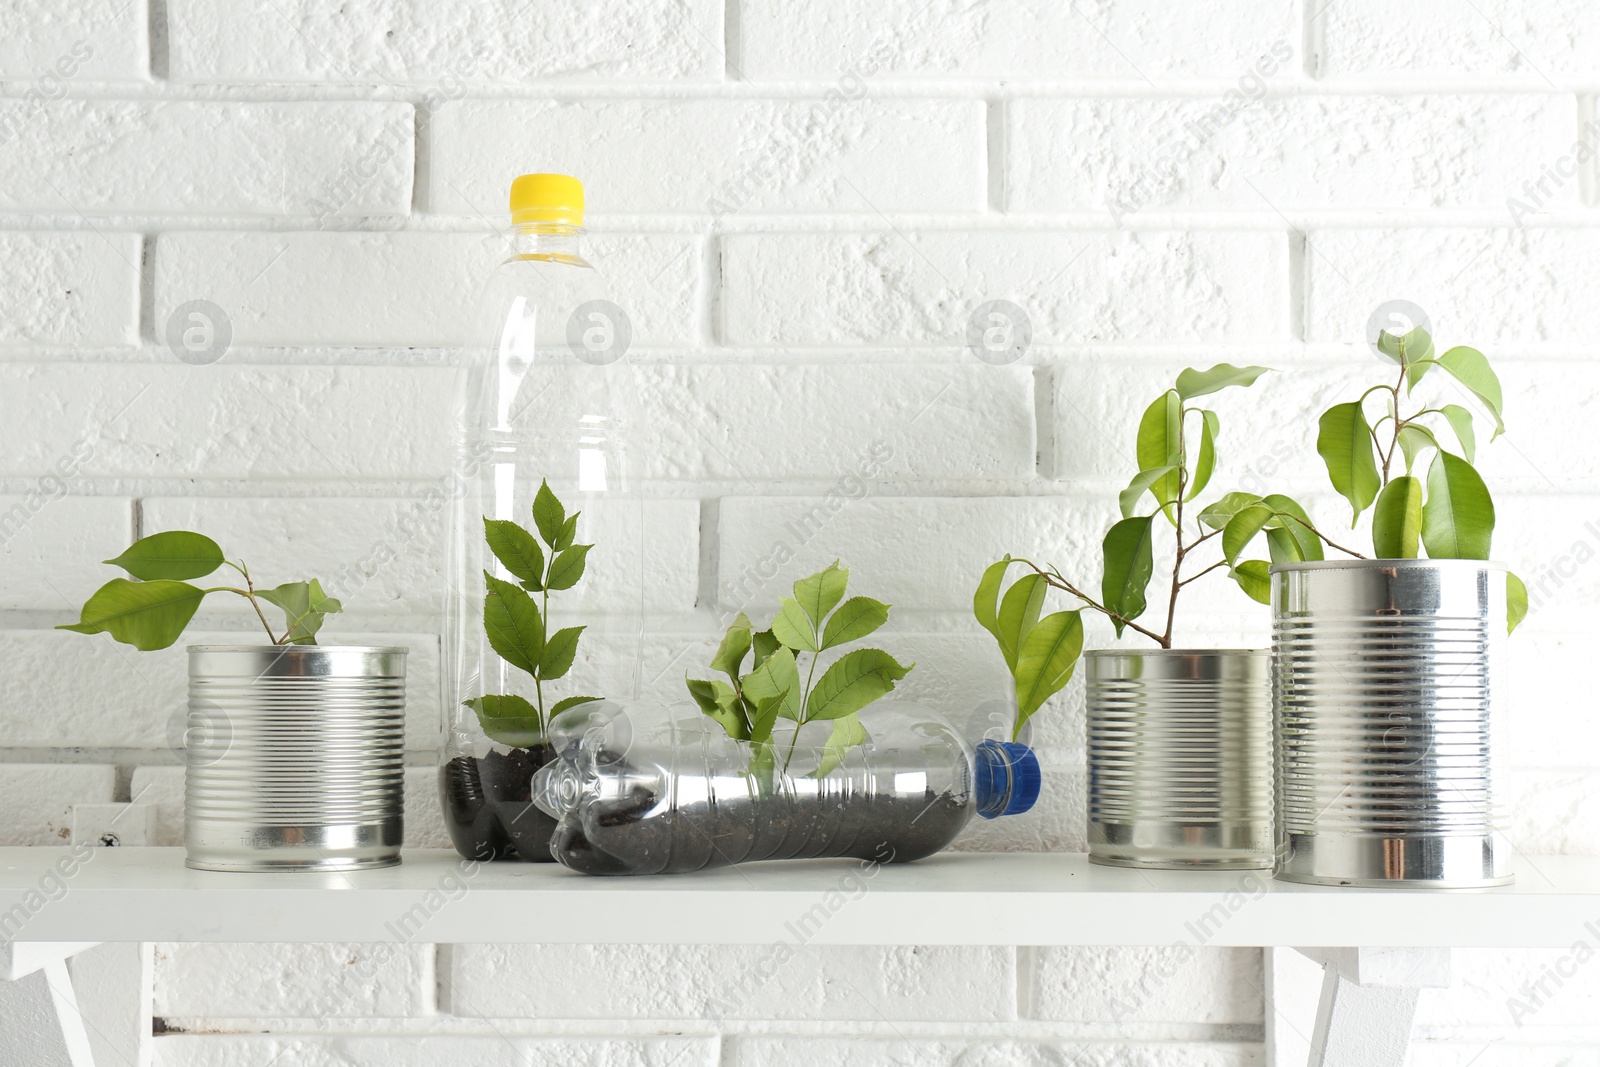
644 791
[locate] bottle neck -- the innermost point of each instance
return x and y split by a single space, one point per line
547 239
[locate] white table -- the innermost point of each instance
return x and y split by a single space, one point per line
1378 947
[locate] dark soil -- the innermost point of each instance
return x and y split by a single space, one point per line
487 807
631 836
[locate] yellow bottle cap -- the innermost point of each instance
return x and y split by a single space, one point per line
555 198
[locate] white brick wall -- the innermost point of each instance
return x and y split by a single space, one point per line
800 205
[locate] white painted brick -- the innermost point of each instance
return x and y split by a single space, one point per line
424 816
1535 40
1498 986
388 555
719 156
221 421
1553 812
1514 286
100 156
705 981
760 1051
1345 152
920 288
162 788
1017 40
69 289
53 544
1470 1051
49 44
261 1050
446 44
72 689
38 797
314 981
1186 982
388 288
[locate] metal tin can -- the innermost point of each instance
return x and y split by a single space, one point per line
1180 758
1388 702
295 757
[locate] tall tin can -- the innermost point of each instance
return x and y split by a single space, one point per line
1180 758
1388 698
294 757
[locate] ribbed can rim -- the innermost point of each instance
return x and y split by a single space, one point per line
302 650
1386 564
1098 652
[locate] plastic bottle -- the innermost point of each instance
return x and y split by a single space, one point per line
640 791
545 400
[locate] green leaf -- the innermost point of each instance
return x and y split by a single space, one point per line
793 627
516 549
1019 611
986 601
764 645
855 619
1410 349
511 621
567 567
304 605
1344 441
1193 383
548 514
1414 440
1516 601
776 677
1217 514
560 649
175 555
1460 420
1048 658
147 615
1472 370
735 644
1397 520
1160 443
847 733
1458 516
765 716
510 720
1129 497
720 702
1255 579
1291 517
854 681
818 593
570 702
1129 562
1207 462
1242 529
568 532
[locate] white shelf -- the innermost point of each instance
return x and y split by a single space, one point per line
146 894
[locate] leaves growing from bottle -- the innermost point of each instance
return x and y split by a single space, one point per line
517 625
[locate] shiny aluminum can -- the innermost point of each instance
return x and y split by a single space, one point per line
1180 758
294 757
1388 700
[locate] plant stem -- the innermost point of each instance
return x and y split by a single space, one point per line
1330 542
1055 579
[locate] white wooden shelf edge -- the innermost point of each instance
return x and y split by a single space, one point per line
146 894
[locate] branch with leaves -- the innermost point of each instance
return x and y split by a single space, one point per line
152 611
811 622
517 626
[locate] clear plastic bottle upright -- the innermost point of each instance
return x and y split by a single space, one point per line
545 539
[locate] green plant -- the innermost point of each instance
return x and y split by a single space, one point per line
152 611
1176 448
813 621
518 626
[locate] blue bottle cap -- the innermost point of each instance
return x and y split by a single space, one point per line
1006 777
